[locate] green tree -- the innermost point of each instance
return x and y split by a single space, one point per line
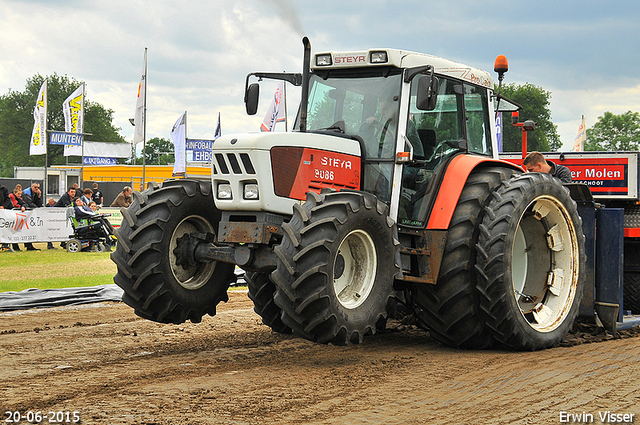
535 106
614 133
16 122
158 151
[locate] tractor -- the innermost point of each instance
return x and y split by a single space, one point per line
389 192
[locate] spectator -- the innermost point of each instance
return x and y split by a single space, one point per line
50 202
534 162
33 195
33 200
5 202
86 197
17 203
97 195
82 211
124 198
66 199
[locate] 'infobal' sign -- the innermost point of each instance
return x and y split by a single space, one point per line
62 138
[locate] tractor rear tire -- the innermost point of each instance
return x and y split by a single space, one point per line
261 292
451 308
531 262
154 284
336 267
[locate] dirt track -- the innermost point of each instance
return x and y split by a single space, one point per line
114 367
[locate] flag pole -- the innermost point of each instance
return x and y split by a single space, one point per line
46 151
82 143
184 176
286 116
144 121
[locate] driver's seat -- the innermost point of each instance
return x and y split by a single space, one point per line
428 140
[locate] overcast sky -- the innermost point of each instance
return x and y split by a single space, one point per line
586 53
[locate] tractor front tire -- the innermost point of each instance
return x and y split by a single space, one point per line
154 284
336 267
531 262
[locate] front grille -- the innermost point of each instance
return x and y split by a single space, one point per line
227 163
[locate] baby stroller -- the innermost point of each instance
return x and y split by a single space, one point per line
95 235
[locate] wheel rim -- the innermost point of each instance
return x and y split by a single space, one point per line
193 277
73 246
354 270
545 264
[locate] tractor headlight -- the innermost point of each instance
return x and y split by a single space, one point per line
224 191
251 191
323 60
378 57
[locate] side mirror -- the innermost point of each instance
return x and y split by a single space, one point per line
251 98
427 93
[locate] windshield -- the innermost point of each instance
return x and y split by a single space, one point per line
364 104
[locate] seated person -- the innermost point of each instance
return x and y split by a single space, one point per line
83 213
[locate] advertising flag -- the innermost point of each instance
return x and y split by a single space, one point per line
141 105
73 110
578 144
38 144
218 130
276 112
178 136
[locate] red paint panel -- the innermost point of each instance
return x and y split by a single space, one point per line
297 171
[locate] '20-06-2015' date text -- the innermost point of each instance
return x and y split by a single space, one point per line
51 417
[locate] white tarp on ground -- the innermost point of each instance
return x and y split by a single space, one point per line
38 225
41 298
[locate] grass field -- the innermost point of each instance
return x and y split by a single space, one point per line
47 269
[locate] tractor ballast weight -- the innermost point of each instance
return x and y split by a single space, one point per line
389 191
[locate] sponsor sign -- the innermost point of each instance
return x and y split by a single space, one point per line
38 225
97 160
200 149
62 138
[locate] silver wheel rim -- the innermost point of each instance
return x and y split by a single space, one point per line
545 264
193 277
73 246
355 268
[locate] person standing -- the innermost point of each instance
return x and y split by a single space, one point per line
5 203
17 203
97 195
535 162
124 198
67 198
34 195
86 196
50 202
33 198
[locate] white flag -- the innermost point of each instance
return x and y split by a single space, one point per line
276 112
38 144
73 110
178 135
139 118
578 144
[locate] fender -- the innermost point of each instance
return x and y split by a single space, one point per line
453 182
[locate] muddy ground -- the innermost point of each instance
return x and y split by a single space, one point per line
113 367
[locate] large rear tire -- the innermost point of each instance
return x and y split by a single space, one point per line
261 292
154 284
531 262
451 308
336 266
